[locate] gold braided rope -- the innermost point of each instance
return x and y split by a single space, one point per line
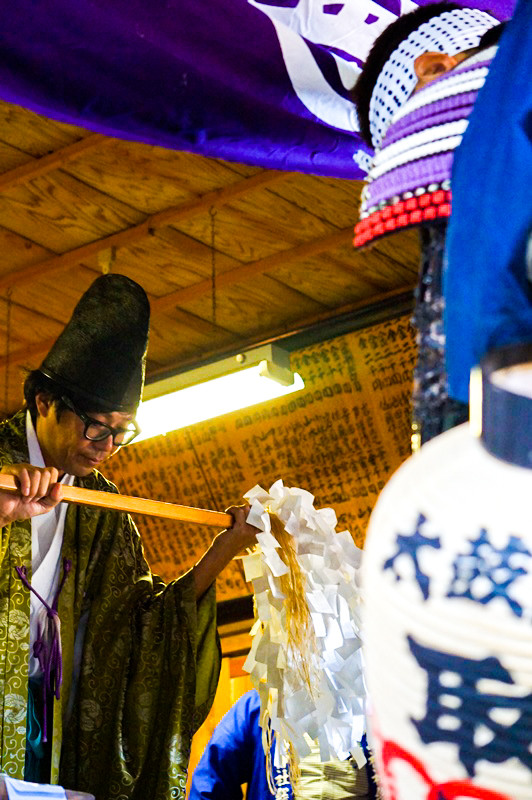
268 737
267 741
301 641
299 627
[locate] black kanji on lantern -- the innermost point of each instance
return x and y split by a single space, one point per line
409 545
487 572
485 725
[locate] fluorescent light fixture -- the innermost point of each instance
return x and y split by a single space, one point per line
246 379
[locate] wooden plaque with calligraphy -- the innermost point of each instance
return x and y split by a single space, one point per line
341 438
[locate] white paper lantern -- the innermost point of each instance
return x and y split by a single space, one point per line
447 577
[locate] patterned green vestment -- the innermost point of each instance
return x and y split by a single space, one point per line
141 659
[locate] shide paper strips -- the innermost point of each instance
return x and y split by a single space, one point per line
328 706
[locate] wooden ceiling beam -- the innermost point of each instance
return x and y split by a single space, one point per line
246 271
237 275
281 332
40 166
198 324
215 199
28 353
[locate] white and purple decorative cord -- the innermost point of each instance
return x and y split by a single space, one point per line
451 33
419 143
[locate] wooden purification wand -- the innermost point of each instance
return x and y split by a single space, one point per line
133 505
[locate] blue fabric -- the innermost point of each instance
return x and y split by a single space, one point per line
263 82
234 756
487 294
372 783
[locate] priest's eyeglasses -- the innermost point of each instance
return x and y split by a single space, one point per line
97 431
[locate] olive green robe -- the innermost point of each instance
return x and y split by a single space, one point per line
141 658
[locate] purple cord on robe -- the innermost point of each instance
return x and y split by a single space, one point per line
47 647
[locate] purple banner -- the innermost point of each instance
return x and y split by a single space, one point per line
264 82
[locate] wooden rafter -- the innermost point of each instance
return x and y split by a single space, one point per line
162 304
246 271
93 205
41 166
277 334
215 199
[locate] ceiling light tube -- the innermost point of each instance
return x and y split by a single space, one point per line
215 389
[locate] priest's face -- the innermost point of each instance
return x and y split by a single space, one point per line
63 443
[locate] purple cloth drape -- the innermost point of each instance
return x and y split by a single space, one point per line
263 82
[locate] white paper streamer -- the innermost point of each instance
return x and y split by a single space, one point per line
333 711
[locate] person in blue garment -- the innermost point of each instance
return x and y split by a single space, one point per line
490 303
234 756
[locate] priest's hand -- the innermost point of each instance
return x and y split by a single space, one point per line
226 545
241 534
38 492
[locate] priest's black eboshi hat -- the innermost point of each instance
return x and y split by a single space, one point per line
100 356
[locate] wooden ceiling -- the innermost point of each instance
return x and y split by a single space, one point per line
230 255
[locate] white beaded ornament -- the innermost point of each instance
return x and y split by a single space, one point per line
451 33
